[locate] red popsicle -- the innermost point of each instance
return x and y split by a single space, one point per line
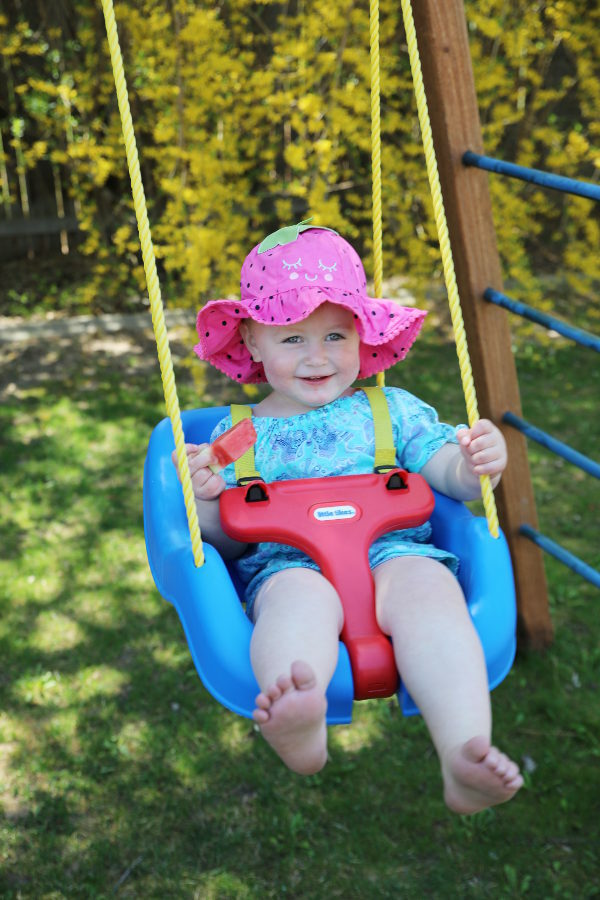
232 444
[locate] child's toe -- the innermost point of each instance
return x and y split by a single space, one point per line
263 701
284 683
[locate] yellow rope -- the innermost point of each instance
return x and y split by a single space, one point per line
156 306
376 148
158 319
447 261
376 157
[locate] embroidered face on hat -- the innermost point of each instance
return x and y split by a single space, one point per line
283 280
317 257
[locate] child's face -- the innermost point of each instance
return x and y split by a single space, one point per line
310 363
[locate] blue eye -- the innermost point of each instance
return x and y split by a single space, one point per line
293 265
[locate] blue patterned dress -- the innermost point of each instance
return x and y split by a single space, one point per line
338 439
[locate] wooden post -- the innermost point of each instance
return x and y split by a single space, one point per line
448 77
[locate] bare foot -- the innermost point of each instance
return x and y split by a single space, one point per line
477 775
291 715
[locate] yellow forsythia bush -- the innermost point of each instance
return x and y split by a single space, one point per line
249 115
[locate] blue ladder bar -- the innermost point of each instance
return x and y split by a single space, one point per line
585 338
534 176
551 443
564 556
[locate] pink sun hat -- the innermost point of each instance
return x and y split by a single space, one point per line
283 280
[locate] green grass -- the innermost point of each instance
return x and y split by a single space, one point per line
120 776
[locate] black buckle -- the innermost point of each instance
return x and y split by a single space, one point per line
256 492
396 482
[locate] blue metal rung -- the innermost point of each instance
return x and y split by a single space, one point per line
534 176
564 556
585 338
551 443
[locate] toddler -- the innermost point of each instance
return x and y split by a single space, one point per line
305 325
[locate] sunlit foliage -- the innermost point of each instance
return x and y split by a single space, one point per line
250 113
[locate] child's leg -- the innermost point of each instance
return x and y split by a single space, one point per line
440 659
298 617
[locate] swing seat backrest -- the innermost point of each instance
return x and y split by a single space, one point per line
207 598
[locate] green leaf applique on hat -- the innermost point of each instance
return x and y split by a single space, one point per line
288 235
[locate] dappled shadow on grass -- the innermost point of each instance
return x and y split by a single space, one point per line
121 775
96 699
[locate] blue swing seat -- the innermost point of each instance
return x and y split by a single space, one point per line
207 598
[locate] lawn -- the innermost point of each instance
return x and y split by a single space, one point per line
120 775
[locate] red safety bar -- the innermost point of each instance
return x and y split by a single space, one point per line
335 521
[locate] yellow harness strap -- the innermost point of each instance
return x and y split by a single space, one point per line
385 451
245 466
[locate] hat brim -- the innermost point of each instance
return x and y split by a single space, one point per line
386 330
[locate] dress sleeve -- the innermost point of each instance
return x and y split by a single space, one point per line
418 431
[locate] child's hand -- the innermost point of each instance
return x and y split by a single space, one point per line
206 485
483 448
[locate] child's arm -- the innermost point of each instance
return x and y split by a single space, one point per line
208 487
455 469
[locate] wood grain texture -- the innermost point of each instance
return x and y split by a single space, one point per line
452 101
